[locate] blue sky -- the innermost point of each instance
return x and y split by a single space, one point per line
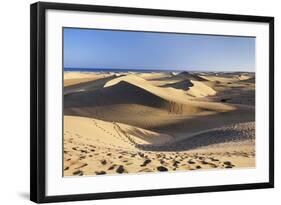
91 48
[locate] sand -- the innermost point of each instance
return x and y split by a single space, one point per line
118 123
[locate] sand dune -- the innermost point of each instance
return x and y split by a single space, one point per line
98 147
222 79
193 87
168 94
119 135
143 122
190 76
183 85
200 89
227 77
249 80
154 76
115 95
112 133
74 78
79 75
233 133
90 84
235 92
243 77
138 91
150 107
142 103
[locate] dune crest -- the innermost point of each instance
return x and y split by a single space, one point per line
183 85
132 91
188 75
200 89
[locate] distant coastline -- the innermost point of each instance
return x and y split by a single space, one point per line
118 70
142 70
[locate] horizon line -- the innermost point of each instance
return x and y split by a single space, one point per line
168 70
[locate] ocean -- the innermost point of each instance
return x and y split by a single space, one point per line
117 70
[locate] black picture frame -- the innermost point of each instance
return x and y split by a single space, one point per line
38 101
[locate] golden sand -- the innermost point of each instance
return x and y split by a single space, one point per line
147 122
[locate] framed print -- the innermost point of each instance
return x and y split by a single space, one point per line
129 102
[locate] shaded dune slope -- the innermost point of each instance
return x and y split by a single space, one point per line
190 76
124 93
87 86
234 133
183 85
181 76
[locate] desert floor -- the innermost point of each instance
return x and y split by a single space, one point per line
130 122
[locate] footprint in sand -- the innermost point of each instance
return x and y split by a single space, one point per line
145 170
213 165
213 159
228 164
146 162
100 172
204 162
162 169
78 172
121 169
83 165
103 162
162 161
191 162
175 163
112 167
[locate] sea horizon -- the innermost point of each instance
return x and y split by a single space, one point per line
143 70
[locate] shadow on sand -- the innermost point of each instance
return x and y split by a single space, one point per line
216 136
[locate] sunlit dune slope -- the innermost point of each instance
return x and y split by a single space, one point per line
111 134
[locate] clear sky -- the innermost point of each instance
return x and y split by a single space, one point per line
90 48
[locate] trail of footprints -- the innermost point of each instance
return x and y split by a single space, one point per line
86 159
125 138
